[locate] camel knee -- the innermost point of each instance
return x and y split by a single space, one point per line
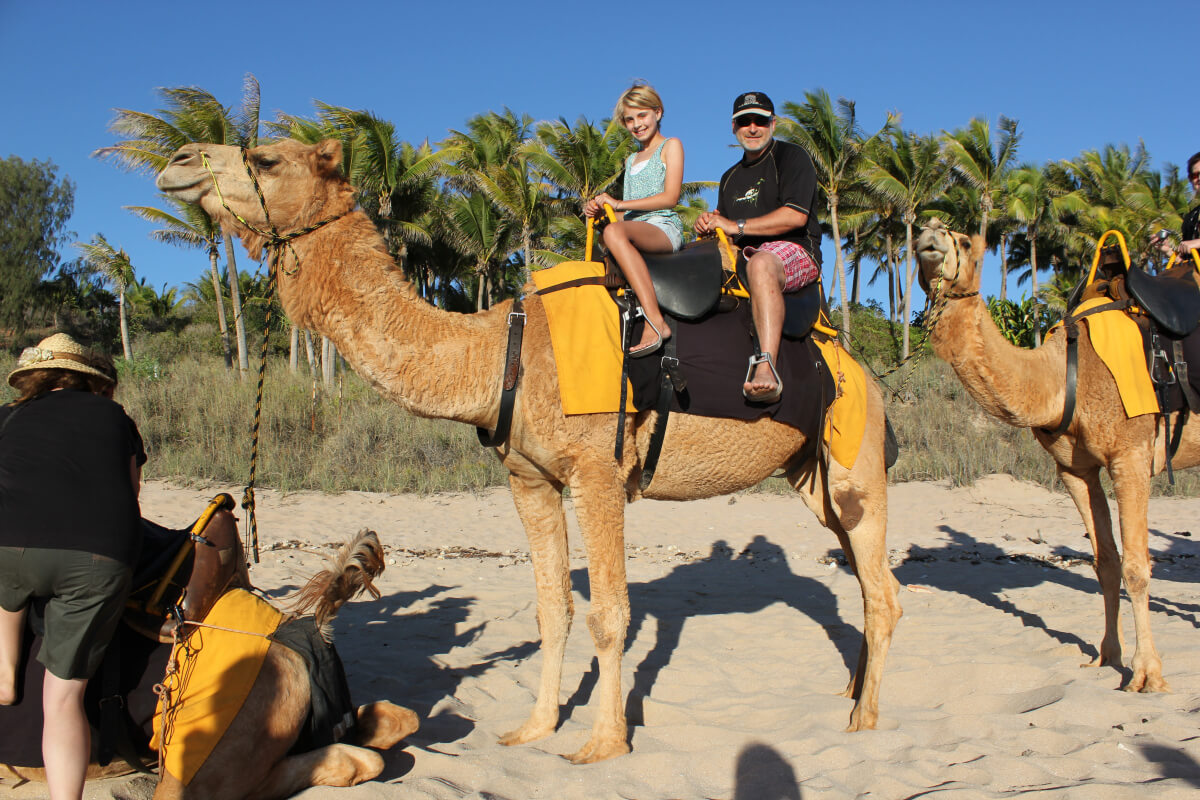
608 627
848 502
383 725
1137 579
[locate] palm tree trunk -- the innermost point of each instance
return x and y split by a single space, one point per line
125 348
1037 333
235 299
839 264
893 280
909 275
1003 265
222 324
310 353
328 356
294 349
857 269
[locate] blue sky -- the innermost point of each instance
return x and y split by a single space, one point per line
1077 75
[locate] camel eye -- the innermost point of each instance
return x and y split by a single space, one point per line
265 163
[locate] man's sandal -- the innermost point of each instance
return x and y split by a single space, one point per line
771 395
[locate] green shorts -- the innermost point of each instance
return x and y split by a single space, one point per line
84 595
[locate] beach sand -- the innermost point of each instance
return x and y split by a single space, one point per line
745 623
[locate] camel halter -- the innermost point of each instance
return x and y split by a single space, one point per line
275 247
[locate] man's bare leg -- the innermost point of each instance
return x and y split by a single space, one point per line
764 270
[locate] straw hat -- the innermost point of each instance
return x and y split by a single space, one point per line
59 351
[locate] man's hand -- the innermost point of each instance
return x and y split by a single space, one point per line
710 221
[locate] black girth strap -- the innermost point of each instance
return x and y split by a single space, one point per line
1072 330
671 380
512 370
627 318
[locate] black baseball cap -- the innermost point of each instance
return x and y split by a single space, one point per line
753 103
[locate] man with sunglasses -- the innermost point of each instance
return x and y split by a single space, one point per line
1191 221
767 203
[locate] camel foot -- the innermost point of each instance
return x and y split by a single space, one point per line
529 732
383 725
862 720
347 766
600 749
1146 684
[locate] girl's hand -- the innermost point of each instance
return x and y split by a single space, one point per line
595 206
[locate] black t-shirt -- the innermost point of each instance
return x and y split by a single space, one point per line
781 176
64 476
1191 225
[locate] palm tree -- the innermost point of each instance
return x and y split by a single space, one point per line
834 140
1035 203
114 264
190 226
474 226
191 115
981 164
911 173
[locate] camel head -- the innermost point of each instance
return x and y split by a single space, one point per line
949 261
301 185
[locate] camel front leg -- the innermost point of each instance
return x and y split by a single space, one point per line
540 506
600 508
1089 498
1131 483
335 765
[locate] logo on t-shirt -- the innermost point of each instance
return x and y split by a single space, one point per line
751 195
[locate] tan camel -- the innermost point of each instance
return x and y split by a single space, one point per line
252 760
1027 389
340 281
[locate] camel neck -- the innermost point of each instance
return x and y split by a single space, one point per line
1021 387
343 284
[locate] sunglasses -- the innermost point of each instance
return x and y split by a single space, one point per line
747 120
1195 176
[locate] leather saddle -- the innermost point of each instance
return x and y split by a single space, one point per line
182 573
689 286
1171 300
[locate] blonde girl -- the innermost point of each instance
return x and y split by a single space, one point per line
646 220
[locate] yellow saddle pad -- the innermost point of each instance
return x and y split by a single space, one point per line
216 670
846 419
585 332
1118 341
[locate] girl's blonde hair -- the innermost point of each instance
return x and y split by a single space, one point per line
640 95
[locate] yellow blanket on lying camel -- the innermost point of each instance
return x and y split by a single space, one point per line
585 332
1118 341
216 670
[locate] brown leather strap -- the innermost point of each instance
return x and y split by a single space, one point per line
512 370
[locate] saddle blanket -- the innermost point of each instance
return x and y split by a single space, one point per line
713 354
585 332
1118 341
216 670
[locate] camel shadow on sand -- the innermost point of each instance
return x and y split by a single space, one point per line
941 568
723 582
412 643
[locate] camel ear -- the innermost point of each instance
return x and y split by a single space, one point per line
329 156
977 248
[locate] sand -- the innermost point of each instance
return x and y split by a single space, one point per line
745 622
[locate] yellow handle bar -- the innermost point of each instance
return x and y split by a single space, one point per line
1100 246
591 230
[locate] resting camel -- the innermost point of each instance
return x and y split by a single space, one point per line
339 280
253 758
1027 389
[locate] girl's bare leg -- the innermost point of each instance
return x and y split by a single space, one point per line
627 241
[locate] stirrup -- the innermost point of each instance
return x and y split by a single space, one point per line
770 396
654 346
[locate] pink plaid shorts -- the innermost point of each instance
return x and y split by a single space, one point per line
799 269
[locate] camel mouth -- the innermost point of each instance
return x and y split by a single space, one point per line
187 187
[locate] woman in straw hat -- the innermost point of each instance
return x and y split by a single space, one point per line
70 471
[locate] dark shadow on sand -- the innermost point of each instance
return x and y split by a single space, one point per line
724 582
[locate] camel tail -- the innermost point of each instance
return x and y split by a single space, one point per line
353 570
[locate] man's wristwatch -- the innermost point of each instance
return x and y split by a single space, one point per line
741 223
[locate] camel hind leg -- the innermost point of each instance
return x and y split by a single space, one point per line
334 765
